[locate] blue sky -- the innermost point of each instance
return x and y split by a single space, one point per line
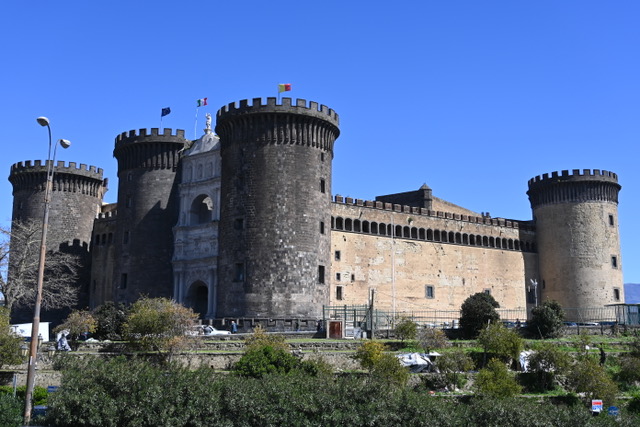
472 97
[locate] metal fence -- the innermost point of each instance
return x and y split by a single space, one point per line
360 317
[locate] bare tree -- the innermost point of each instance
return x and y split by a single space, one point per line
19 253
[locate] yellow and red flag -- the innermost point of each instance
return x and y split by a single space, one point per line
285 87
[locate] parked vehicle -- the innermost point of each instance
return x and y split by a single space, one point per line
207 330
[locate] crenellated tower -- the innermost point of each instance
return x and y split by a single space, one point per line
274 257
147 210
77 193
576 217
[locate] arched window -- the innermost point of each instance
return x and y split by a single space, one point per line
472 240
452 237
510 243
339 223
421 234
492 242
479 240
356 225
485 241
374 228
201 210
458 238
436 236
429 234
465 239
383 229
398 231
365 227
406 232
348 224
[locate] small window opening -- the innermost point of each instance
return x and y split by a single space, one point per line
125 238
123 281
614 261
337 255
323 185
611 222
238 224
238 275
339 293
616 294
321 227
429 291
338 276
321 274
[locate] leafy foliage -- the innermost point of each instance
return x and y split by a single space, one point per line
10 410
77 323
368 353
111 318
496 381
159 324
389 371
546 363
406 329
432 338
476 312
587 376
452 366
9 342
501 342
547 319
260 338
260 361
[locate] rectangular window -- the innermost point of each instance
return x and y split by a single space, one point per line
123 281
487 291
339 293
238 274
125 238
611 222
614 261
338 277
321 227
616 294
321 274
429 291
337 255
238 224
323 185
322 157
353 277
129 201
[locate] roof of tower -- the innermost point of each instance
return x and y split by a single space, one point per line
286 107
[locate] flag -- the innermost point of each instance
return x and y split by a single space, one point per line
165 112
286 87
202 102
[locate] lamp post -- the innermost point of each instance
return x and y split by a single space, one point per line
534 286
33 349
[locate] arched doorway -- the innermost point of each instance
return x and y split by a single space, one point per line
197 297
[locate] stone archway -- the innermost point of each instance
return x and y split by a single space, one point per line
197 297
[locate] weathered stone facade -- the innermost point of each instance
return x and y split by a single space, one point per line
256 233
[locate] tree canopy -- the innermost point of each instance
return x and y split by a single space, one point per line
477 312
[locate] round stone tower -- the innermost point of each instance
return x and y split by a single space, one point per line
147 210
75 200
576 217
274 257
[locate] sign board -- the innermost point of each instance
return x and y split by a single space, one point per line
52 389
596 405
614 411
24 330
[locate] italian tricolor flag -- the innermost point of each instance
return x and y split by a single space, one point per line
202 102
286 87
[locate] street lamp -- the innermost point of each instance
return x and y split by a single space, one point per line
33 349
534 287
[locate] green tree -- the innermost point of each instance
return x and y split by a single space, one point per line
9 342
588 377
547 319
77 323
496 381
260 361
111 318
390 371
261 338
406 329
501 342
452 366
159 324
368 354
476 312
547 362
432 338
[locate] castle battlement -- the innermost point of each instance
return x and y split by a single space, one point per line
486 220
154 133
576 175
301 106
106 215
60 167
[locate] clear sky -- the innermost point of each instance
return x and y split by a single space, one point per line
471 97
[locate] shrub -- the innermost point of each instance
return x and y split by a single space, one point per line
633 406
496 381
260 361
587 376
110 318
261 338
432 338
406 329
9 342
501 342
159 324
388 369
547 319
10 410
452 366
546 363
476 312
77 323
368 353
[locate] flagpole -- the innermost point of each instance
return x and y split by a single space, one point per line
195 125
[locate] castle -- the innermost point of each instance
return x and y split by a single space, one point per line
242 223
